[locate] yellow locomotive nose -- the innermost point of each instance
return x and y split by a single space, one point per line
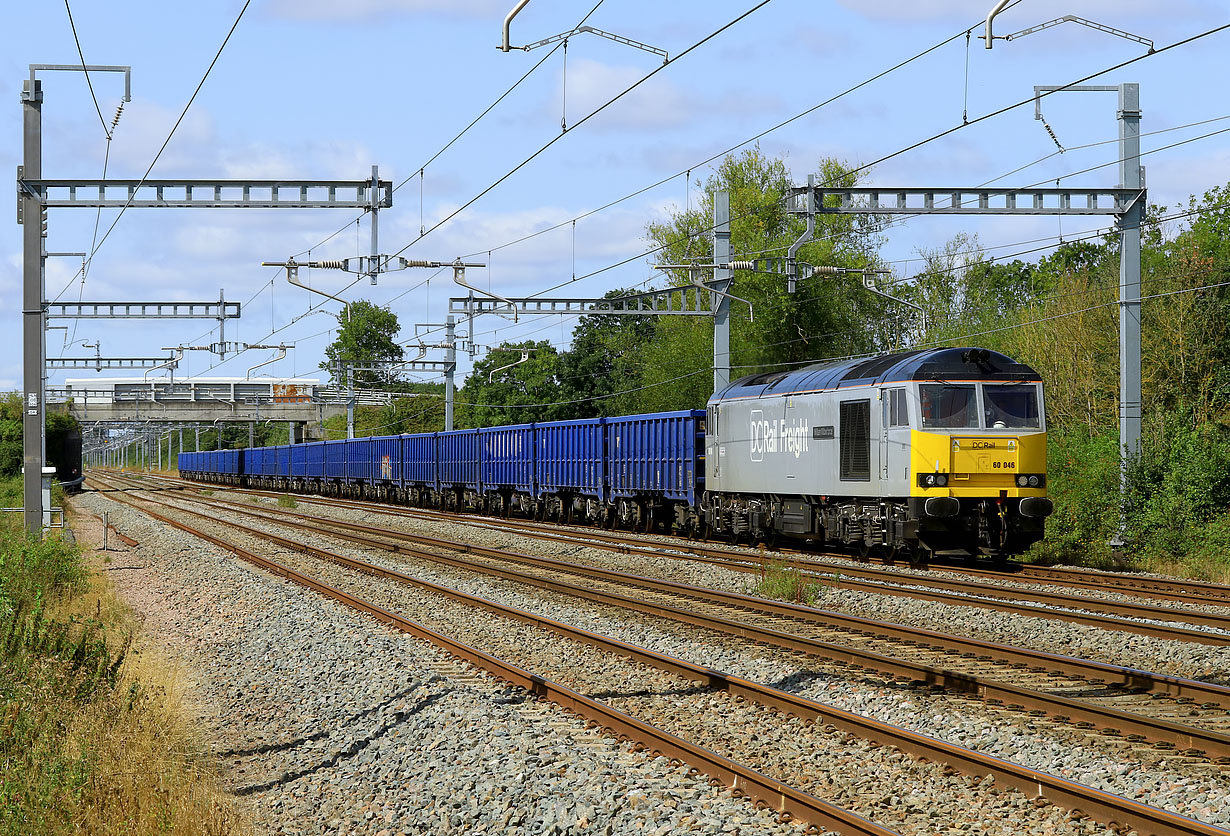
979 465
994 457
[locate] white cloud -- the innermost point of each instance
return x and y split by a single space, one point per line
657 103
1035 11
366 10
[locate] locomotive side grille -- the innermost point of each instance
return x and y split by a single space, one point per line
856 440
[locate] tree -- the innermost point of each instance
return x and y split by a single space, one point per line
498 393
58 424
827 316
366 338
602 362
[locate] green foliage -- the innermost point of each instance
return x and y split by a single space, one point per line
602 362
366 338
418 409
1083 482
58 424
826 317
509 386
782 583
47 668
10 434
1180 490
287 501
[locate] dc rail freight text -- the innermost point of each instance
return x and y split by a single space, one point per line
936 451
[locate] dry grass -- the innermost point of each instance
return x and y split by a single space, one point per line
1196 567
120 757
152 775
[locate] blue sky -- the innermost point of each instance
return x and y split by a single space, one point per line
324 89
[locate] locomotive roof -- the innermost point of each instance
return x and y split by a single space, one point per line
941 364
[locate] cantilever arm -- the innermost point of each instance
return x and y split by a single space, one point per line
525 356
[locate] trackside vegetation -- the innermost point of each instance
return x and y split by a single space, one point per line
91 738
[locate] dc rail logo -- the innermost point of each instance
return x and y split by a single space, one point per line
788 437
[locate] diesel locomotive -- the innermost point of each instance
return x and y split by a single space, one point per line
935 451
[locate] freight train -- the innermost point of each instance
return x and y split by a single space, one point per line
935 451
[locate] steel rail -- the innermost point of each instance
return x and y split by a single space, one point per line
1170 591
835 576
1131 679
788 801
887 575
1214 744
1116 811
1126 583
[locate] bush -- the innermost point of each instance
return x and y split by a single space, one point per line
1179 496
1083 482
1178 510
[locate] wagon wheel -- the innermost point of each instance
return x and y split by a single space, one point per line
919 557
649 520
772 539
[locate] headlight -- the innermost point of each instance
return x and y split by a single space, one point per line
1033 481
932 480
941 479
1022 480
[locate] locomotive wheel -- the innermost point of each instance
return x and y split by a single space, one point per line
772 539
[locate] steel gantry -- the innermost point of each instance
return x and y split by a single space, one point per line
100 363
696 298
373 265
1125 203
36 195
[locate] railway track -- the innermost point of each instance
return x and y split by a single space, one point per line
1102 806
1089 694
1144 619
1180 590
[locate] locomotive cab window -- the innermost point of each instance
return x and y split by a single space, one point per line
946 406
896 409
855 431
1011 407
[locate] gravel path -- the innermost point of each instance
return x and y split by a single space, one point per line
328 722
1190 787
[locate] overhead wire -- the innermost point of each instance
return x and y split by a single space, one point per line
418 172
910 147
583 120
85 69
713 157
882 159
133 194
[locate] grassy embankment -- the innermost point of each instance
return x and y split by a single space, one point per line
92 738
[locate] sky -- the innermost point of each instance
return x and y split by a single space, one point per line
319 89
